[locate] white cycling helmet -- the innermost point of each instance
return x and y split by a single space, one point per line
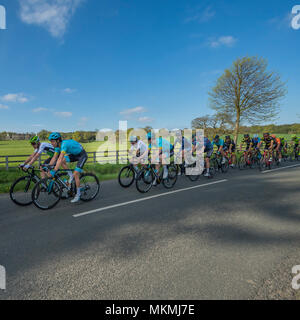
133 139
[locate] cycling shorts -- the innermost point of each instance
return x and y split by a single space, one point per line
81 159
208 152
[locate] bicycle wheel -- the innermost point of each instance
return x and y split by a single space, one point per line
126 177
89 186
172 177
21 189
145 180
194 176
225 166
46 194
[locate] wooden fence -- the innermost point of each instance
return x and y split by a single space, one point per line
11 162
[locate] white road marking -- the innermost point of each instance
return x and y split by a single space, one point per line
295 165
147 198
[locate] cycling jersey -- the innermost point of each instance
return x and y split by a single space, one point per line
247 142
219 144
45 148
139 146
268 141
185 144
70 147
165 145
255 142
227 145
207 144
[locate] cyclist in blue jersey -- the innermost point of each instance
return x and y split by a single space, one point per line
70 151
165 150
220 145
208 149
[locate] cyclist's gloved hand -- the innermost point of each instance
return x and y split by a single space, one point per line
53 173
45 168
27 166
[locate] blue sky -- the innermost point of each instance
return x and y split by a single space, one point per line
84 64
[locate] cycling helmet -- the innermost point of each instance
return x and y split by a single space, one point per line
255 136
273 136
133 139
54 136
294 138
266 134
227 137
34 139
246 135
216 137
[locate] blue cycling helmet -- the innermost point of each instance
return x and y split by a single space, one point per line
54 136
255 136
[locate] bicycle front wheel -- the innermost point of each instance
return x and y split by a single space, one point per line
170 181
126 177
46 194
145 180
21 189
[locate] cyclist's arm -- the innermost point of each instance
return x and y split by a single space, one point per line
54 159
29 158
34 157
59 161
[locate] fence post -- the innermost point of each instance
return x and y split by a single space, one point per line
117 157
94 156
6 162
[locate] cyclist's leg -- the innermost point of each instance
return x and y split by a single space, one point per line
46 162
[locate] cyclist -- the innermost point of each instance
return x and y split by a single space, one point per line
185 146
247 140
139 150
220 145
70 151
39 148
164 151
208 149
255 142
283 146
269 144
229 145
277 147
296 146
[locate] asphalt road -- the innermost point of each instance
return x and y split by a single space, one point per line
237 238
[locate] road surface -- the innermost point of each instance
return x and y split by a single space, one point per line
234 237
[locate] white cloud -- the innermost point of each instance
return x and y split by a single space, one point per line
53 15
14 97
39 109
227 41
63 114
133 110
38 125
69 90
2 107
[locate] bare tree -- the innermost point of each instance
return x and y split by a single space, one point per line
201 122
248 92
